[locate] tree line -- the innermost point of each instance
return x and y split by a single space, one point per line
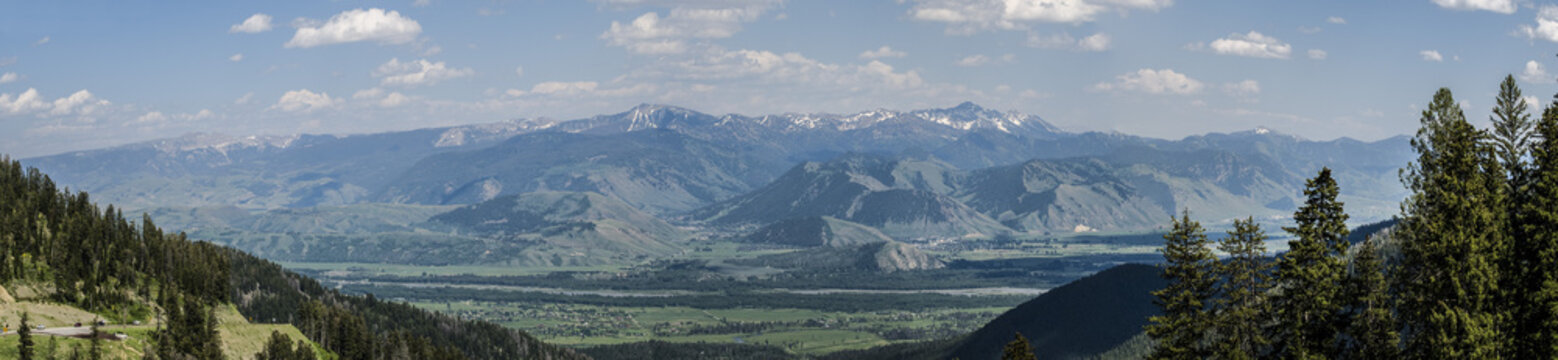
1470 270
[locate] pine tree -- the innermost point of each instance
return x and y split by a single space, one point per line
1018 349
1511 138
1180 332
1241 307
1539 220
1452 232
1310 273
24 338
1370 324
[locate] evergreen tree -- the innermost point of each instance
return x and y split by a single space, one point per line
1511 137
1539 220
1370 324
24 338
1241 308
1188 266
1018 349
1452 233
1310 274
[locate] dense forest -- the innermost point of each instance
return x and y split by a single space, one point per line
1469 271
96 260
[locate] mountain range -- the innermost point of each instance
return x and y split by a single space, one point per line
917 175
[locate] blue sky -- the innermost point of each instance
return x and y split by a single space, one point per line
83 74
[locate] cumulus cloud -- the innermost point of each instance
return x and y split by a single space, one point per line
303 100
1095 42
378 25
417 73
157 118
652 34
882 52
9 77
1252 44
394 99
30 102
982 60
1153 81
236 57
566 88
1546 27
1317 54
1536 73
256 23
44 40
1336 20
968 16
1431 55
1498 6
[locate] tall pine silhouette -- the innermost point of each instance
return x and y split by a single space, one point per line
1452 231
1189 267
1310 301
1241 308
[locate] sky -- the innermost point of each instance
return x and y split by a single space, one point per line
80 75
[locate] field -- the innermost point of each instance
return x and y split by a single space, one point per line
704 296
798 330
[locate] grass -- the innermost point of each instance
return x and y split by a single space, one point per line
241 339
369 269
800 331
130 348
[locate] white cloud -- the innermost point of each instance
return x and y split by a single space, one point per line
236 57
394 99
1095 42
372 93
416 73
303 100
968 16
1336 20
44 40
1431 55
566 88
9 77
1536 73
157 118
882 52
1151 81
1498 6
1317 54
245 99
384 27
256 23
519 71
27 102
1546 25
981 60
652 34
1253 44
81 102
1532 102
1243 89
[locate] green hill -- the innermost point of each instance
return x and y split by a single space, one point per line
61 248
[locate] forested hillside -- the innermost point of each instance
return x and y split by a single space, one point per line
60 244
